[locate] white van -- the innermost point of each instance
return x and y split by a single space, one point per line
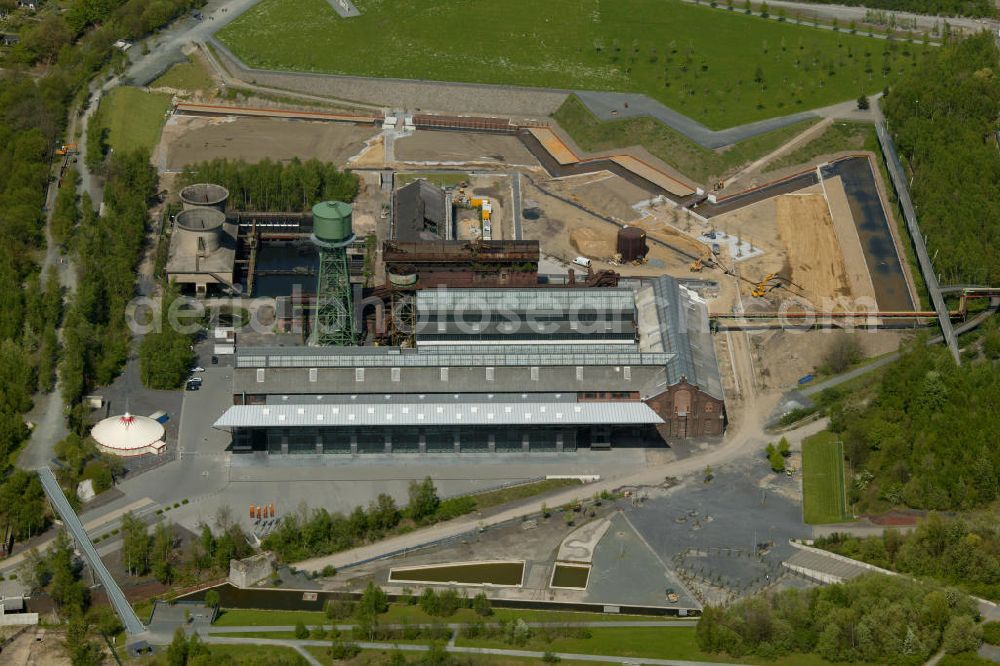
582 261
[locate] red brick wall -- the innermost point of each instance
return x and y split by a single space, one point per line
705 414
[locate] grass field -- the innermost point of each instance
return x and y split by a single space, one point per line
723 68
839 136
134 118
638 642
824 497
380 657
190 75
243 653
692 160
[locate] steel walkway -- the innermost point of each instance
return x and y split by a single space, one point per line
72 522
926 267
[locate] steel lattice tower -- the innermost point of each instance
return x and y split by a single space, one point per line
333 324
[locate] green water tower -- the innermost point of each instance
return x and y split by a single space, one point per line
333 231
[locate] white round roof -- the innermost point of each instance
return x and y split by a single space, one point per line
127 432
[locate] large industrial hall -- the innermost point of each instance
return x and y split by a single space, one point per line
494 370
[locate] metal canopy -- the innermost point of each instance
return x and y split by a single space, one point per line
446 414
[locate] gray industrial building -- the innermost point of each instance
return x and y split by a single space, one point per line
421 211
494 370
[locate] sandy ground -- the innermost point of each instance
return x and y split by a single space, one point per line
604 192
372 154
806 229
802 241
785 356
35 646
565 232
443 147
859 278
190 139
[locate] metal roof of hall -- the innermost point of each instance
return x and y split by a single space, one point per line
446 414
567 300
680 328
451 355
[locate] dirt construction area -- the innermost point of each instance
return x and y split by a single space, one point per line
445 147
808 237
805 225
605 192
190 139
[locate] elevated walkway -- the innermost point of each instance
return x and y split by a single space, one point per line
926 266
133 625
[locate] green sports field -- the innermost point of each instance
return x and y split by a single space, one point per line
823 484
723 68
134 118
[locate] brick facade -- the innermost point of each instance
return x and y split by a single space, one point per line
688 412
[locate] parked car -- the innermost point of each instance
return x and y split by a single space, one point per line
193 386
215 360
197 368
194 380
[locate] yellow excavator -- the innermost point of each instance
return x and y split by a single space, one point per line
771 282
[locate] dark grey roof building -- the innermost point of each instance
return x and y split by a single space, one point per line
421 211
529 369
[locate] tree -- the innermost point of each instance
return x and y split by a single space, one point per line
373 601
163 544
212 599
784 448
301 630
135 546
481 605
383 514
423 500
775 458
82 651
962 635
863 104
177 651
844 351
428 601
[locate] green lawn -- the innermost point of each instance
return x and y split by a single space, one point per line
190 75
653 642
379 657
823 484
241 617
840 136
134 118
243 653
723 68
695 162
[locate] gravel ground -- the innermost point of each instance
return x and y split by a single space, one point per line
412 95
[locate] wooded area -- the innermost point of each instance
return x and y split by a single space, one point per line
944 120
956 551
273 186
74 44
922 435
875 618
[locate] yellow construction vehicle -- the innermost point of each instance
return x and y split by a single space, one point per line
770 281
702 261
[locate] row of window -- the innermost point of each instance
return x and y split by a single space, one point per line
395 374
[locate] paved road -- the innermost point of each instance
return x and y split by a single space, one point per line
530 654
845 15
72 522
746 435
166 48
